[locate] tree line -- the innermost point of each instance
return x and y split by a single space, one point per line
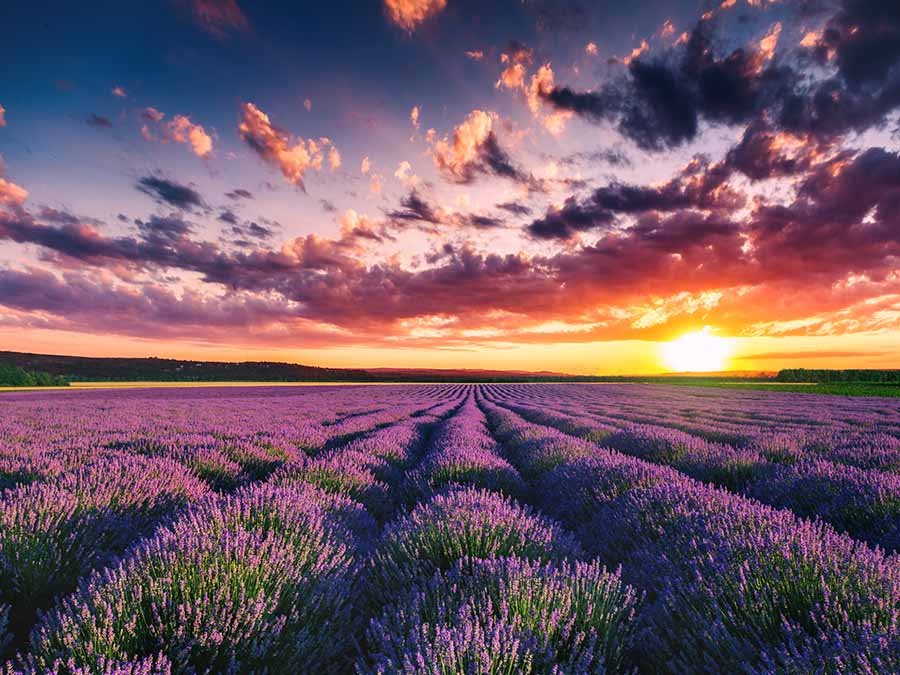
13 376
825 376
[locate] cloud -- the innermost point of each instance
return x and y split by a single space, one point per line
307 103
416 209
119 92
2 116
99 121
516 59
293 156
515 208
409 14
473 149
179 129
405 175
475 54
659 103
824 262
591 49
168 191
365 165
334 158
239 193
414 117
218 17
11 195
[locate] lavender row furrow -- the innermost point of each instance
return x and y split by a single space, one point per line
863 503
732 585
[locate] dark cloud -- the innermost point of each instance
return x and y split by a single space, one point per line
660 103
415 208
327 206
515 208
611 156
258 231
571 219
99 121
699 185
172 193
481 222
227 216
217 17
498 161
865 35
239 193
171 228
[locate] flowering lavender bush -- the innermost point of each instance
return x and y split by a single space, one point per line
449 529
258 581
505 615
467 523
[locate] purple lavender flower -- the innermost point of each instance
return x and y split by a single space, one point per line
259 581
467 523
507 613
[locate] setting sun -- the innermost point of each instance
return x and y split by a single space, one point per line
696 352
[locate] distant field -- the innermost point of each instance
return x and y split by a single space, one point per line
169 384
838 389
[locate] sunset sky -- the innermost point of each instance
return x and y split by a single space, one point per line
528 184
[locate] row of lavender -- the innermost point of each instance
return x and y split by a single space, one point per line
86 478
731 585
834 478
403 539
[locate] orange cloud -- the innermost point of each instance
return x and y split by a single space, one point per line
11 194
475 54
455 157
414 117
334 158
517 61
179 129
591 48
294 157
364 165
2 116
405 175
182 130
768 44
636 52
408 14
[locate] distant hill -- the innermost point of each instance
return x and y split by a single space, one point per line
99 369
86 368
442 373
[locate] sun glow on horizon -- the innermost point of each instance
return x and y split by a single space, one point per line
697 352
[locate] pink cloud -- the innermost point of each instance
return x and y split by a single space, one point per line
293 156
179 129
219 17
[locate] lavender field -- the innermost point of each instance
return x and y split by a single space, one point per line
444 529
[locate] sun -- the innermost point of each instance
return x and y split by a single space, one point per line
697 352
